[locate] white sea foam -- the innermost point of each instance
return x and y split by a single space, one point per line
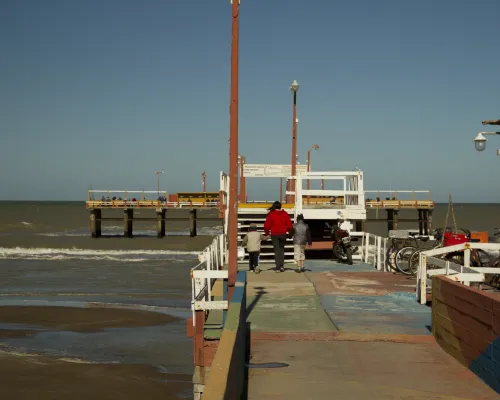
88 254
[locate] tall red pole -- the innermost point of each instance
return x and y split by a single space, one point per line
233 155
315 147
294 88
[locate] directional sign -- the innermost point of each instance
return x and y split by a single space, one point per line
270 170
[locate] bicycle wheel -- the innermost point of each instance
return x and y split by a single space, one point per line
390 257
403 259
414 262
480 258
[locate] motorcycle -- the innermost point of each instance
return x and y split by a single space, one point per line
342 247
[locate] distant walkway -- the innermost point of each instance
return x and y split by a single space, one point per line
347 333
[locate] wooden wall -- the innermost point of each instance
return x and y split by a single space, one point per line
466 324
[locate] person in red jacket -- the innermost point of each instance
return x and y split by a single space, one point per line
277 225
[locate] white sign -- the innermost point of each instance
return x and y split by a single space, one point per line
270 170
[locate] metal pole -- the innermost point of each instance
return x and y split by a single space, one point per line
233 155
294 145
281 190
243 186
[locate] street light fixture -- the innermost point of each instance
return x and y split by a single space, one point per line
158 173
243 187
294 88
480 140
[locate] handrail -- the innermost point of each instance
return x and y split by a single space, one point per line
203 276
459 273
148 203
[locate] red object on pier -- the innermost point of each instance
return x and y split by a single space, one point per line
451 239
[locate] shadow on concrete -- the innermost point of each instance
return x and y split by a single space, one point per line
260 292
244 395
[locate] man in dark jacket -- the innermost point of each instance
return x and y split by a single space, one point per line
301 237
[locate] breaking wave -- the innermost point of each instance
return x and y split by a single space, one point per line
88 254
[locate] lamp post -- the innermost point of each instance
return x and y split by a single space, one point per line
480 140
294 89
158 173
204 181
243 186
233 154
313 147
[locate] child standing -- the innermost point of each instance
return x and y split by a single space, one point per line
252 242
301 237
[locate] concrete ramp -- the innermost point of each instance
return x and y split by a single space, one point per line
347 332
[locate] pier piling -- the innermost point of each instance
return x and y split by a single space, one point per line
160 222
95 223
192 223
128 218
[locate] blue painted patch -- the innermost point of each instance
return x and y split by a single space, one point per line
389 303
486 367
395 313
329 265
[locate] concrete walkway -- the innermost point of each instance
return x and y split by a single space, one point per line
340 332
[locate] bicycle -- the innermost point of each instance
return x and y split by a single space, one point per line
404 255
396 244
478 257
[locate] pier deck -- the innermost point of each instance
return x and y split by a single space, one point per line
348 333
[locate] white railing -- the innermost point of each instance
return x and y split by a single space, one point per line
147 203
374 250
459 273
204 275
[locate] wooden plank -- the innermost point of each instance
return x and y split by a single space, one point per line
456 303
466 293
475 341
466 322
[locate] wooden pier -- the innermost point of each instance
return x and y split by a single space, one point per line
160 208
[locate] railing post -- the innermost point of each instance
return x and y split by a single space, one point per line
379 245
199 338
367 246
422 281
467 258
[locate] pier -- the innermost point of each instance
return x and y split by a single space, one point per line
338 331
158 209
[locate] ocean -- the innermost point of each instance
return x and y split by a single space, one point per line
48 260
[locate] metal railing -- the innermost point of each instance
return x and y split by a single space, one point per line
459 273
374 250
203 276
149 204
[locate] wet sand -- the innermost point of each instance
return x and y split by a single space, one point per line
90 319
24 377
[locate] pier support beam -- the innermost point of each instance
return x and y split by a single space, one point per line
160 223
420 221
128 219
359 226
395 220
192 223
429 220
425 217
95 222
390 219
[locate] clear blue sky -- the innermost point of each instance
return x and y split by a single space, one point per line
103 93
